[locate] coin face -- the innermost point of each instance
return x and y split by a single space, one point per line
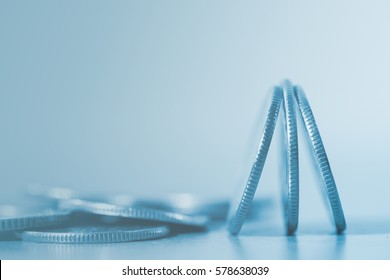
133 212
321 159
240 208
291 203
97 234
30 221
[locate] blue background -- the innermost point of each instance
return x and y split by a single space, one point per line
156 97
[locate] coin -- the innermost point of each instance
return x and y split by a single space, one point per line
321 159
291 204
99 234
107 209
240 209
29 221
186 203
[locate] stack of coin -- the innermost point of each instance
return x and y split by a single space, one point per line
63 216
73 219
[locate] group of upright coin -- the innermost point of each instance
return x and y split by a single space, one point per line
289 95
72 219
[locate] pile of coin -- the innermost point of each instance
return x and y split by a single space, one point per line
287 94
72 219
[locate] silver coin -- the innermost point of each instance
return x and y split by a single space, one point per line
292 202
107 209
240 209
30 221
186 203
101 234
321 158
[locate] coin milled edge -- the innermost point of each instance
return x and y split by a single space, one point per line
33 221
107 209
292 204
236 221
321 159
104 236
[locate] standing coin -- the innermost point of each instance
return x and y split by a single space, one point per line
240 209
322 159
292 203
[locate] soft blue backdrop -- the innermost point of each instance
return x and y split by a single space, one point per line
162 96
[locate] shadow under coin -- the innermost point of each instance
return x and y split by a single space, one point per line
263 228
292 248
273 243
339 248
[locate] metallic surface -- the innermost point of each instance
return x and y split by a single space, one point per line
30 221
292 203
133 212
322 159
241 210
88 235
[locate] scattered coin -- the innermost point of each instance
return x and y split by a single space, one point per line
99 234
133 212
30 221
185 203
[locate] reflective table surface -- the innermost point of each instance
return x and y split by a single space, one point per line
257 240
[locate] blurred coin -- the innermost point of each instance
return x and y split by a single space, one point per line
321 158
292 201
240 208
46 196
16 220
107 209
99 234
186 203
183 203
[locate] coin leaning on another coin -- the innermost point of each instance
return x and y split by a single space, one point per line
292 202
321 158
240 211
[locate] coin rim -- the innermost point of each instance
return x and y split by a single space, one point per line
133 212
292 203
321 159
33 221
237 219
98 237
